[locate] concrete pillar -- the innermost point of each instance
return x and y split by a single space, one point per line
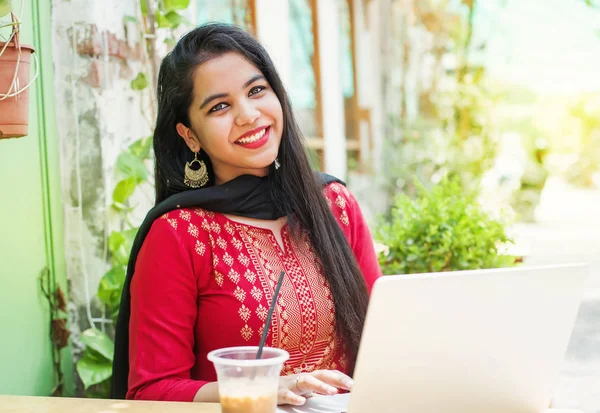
328 21
368 73
272 27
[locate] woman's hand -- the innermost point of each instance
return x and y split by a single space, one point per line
294 389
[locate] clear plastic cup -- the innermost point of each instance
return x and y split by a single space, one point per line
247 385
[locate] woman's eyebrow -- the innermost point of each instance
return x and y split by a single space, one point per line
224 95
252 80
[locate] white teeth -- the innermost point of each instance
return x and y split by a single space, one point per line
253 138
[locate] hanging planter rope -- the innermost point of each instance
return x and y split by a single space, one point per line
15 81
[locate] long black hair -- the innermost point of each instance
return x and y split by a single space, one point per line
295 186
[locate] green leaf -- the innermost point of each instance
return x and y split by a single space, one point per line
171 20
119 244
132 166
99 342
130 236
115 240
176 4
111 286
92 370
140 82
175 19
170 42
124 190
5 7
128 19
162 21
100 390
121 208
144 7
141 147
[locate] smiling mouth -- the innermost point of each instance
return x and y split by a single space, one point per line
253 138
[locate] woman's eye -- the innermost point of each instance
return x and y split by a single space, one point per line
217 107
256 89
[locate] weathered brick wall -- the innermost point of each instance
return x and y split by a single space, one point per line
95 56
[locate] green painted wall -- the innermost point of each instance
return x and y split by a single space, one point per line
31 228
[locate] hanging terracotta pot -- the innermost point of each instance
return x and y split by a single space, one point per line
15 81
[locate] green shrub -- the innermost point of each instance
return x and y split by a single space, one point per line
442 229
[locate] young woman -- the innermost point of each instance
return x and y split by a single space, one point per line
237 204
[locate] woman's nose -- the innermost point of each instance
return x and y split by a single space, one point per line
247 114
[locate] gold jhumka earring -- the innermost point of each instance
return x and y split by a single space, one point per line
195 178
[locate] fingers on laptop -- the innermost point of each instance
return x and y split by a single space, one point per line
334 378
286 396
295 389
309 383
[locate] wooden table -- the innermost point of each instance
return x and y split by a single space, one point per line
28 404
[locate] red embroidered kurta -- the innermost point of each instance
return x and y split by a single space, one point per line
203 281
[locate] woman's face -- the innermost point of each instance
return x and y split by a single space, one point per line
235 117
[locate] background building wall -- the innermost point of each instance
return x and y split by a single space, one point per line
96 55
328 20
371 19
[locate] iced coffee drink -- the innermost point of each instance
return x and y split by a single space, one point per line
248 385
250 398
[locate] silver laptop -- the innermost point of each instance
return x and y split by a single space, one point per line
463 342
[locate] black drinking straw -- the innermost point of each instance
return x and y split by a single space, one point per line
268 323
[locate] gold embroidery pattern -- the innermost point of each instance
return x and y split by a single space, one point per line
307 308
237 244
341 195
240 294
193 230
228 259
321 353
252 246
304 321
219 278
200 248
215 227
244 260
173 222
244 313
185 215
250 276
307 337
234 276
256 293
262 312
222 243
344 218
246 332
